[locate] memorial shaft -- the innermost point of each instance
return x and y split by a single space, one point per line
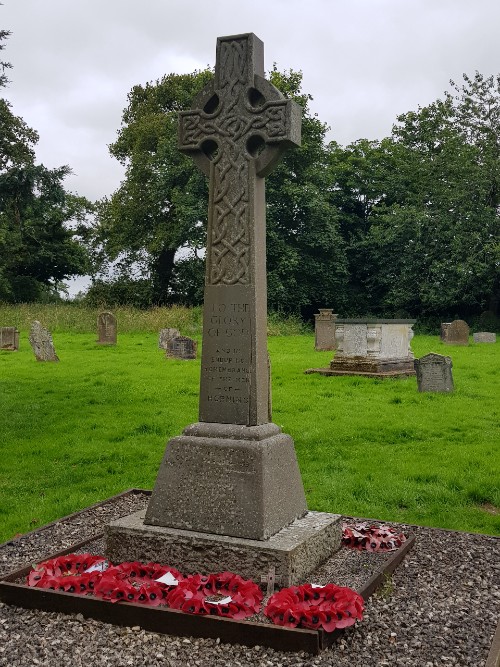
236 132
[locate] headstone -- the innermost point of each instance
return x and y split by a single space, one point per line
484 337
42 344
324 329
434 373
181 347
455 333
165 335
229 489
372 347
106 328
9 339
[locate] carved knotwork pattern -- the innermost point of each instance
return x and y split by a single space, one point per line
231 125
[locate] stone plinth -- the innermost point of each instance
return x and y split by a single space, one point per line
230 480
371 347
324 330
294 551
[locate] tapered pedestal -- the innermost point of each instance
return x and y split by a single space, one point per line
242 481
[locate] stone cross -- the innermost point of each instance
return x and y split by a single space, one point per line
236 132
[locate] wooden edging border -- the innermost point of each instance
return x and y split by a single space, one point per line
178 623
493 659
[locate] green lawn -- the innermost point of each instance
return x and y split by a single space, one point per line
96 423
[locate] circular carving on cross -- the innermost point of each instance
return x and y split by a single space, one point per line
236 132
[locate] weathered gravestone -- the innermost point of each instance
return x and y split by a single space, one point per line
434 373
181 347
41 342
106 328
324 330
455 333
9 339
484 337
229 493
166 335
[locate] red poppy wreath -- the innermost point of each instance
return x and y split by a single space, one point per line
223 594
144 583
74 573
371 537
309 606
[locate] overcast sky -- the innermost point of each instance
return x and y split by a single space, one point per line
363 61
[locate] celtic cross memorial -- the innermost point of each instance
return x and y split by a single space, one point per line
238 129
234 472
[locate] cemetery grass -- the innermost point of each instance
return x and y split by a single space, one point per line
96 423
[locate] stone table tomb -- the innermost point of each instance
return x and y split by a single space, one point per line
371 347
484 337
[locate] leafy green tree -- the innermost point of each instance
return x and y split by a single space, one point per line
161 205
306 257
37 247
420 209
3 65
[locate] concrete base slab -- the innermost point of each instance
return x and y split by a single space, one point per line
387 374
294 551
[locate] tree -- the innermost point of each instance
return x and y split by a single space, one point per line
420 209
306 260
37 248
161 205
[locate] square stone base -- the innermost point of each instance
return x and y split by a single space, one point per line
295 550
364 366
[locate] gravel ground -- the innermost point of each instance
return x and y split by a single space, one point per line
440 608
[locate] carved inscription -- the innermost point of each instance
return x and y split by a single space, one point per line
106 328
226 368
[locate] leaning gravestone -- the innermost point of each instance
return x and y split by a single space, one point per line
42 344
181 347
434 373
484 337
165 336
228 493
106 328
9 339
455 333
